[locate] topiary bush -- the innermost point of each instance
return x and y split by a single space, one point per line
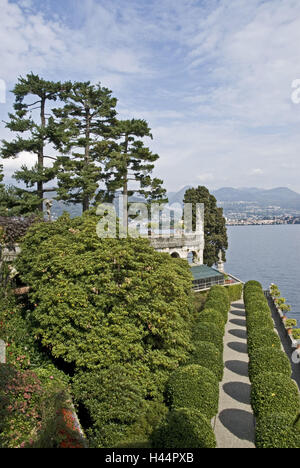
194 387
257 305
205 331
184 428
234 292
259 320
218 299
207 355
263 338
268 360
274 393
276 431
212 316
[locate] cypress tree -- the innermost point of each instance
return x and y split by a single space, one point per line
215 233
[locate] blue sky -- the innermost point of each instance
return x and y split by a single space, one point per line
213 78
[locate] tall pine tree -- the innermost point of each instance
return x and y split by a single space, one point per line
80 125
215 233
34 128
129 164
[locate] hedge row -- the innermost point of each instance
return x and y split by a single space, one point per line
274 395
192 392
234 292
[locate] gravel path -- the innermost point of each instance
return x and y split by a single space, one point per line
234 425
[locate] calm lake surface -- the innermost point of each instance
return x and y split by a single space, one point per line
269 254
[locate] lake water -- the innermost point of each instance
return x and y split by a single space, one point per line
269 254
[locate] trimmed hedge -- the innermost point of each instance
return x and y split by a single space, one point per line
205 331
194 387
184 428
277 431
259 320
274 393
218 299
234 292
207 355
257 305
263 338
212 316
269 360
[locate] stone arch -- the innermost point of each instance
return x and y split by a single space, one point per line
175 255
193 257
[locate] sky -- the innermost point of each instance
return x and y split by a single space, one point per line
213 78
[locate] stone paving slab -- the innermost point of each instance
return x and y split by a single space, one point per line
234 425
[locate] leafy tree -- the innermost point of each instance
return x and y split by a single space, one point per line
215 233
84 119
129 164
33 134
101 303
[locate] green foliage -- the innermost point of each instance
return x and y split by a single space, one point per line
114 399
215 233
206 331
32 135
296 333
218 299
234 292
267 359
184 428
255 305
212 316
263 338
274 393
80 126
129 159
26 404
277 431
199 299
207 355
194 387
138 434
290 323
257 320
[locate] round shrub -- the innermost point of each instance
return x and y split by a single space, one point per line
194 387
212 316
208 356
184 428
274 393
259 320
276 431
250 285
205 331
218 299
258 305
269 360
263 338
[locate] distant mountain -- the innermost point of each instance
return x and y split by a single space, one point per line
281 197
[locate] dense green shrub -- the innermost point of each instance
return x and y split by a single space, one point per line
113 399
234 292
269 360
212 316
257 305
262 338
274 393
259 320
210 332
194 387
99 302
218 299
252 285
276 431
207 355
184 428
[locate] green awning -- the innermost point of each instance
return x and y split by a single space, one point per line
203 272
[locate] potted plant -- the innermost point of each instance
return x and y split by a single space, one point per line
296 336
290 324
